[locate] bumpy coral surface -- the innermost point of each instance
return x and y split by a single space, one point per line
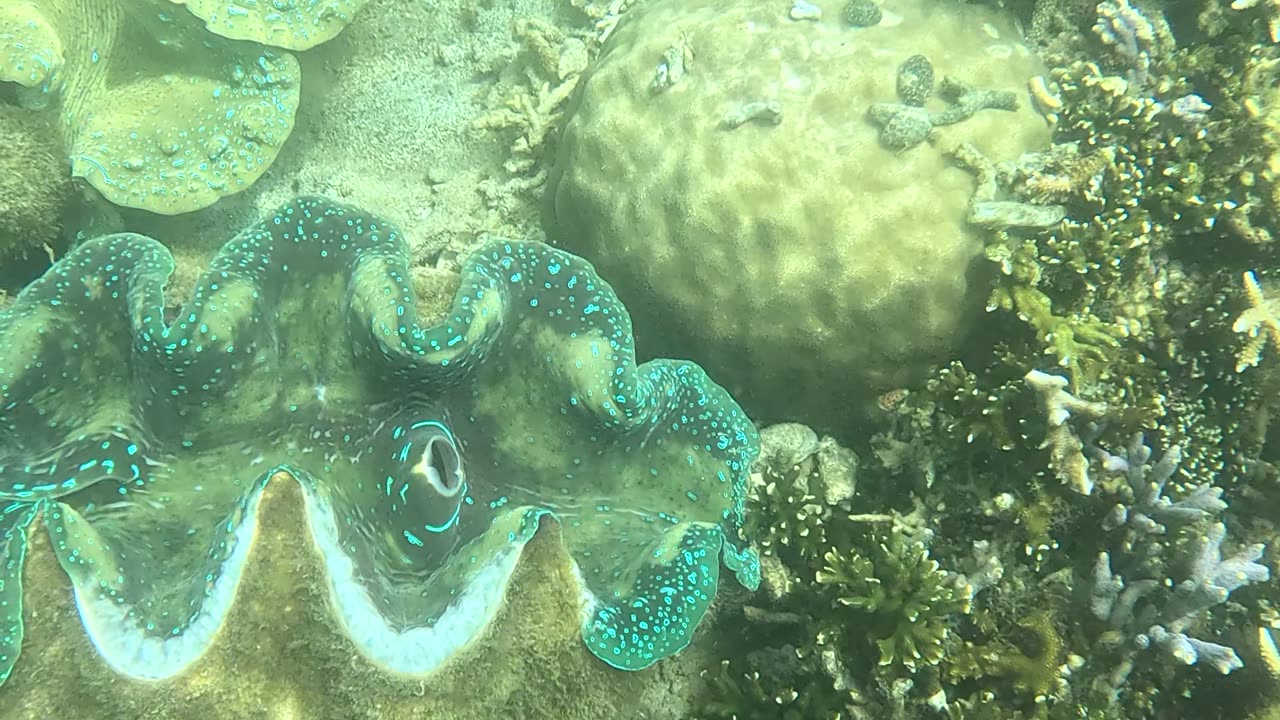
721 166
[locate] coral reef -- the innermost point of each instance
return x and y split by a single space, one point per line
1063 511
1139 595
1258 322
783 179
1066 451
903 592
166 127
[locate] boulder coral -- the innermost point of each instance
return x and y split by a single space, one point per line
768 203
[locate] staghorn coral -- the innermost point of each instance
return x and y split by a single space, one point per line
1258 323
1137 38
1104 292
1167 570
165 128
1066 451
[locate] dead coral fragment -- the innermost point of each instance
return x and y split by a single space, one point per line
1066 451
862 13
1259 322
677 59
915 80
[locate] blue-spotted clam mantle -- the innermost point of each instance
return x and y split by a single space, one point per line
427 456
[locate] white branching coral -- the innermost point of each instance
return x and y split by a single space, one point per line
1168 571
1137 38
1259 323
1066 451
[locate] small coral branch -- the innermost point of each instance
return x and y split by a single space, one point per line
1259 324
1066 451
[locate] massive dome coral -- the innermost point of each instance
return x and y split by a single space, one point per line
768 188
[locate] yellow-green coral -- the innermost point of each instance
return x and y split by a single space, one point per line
165 128
282 23
757 695
1032 661
910 598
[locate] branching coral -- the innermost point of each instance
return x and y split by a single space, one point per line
1158 586
904 592
792 685
1066 451
1258 322
529 106
799 480
1138 38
